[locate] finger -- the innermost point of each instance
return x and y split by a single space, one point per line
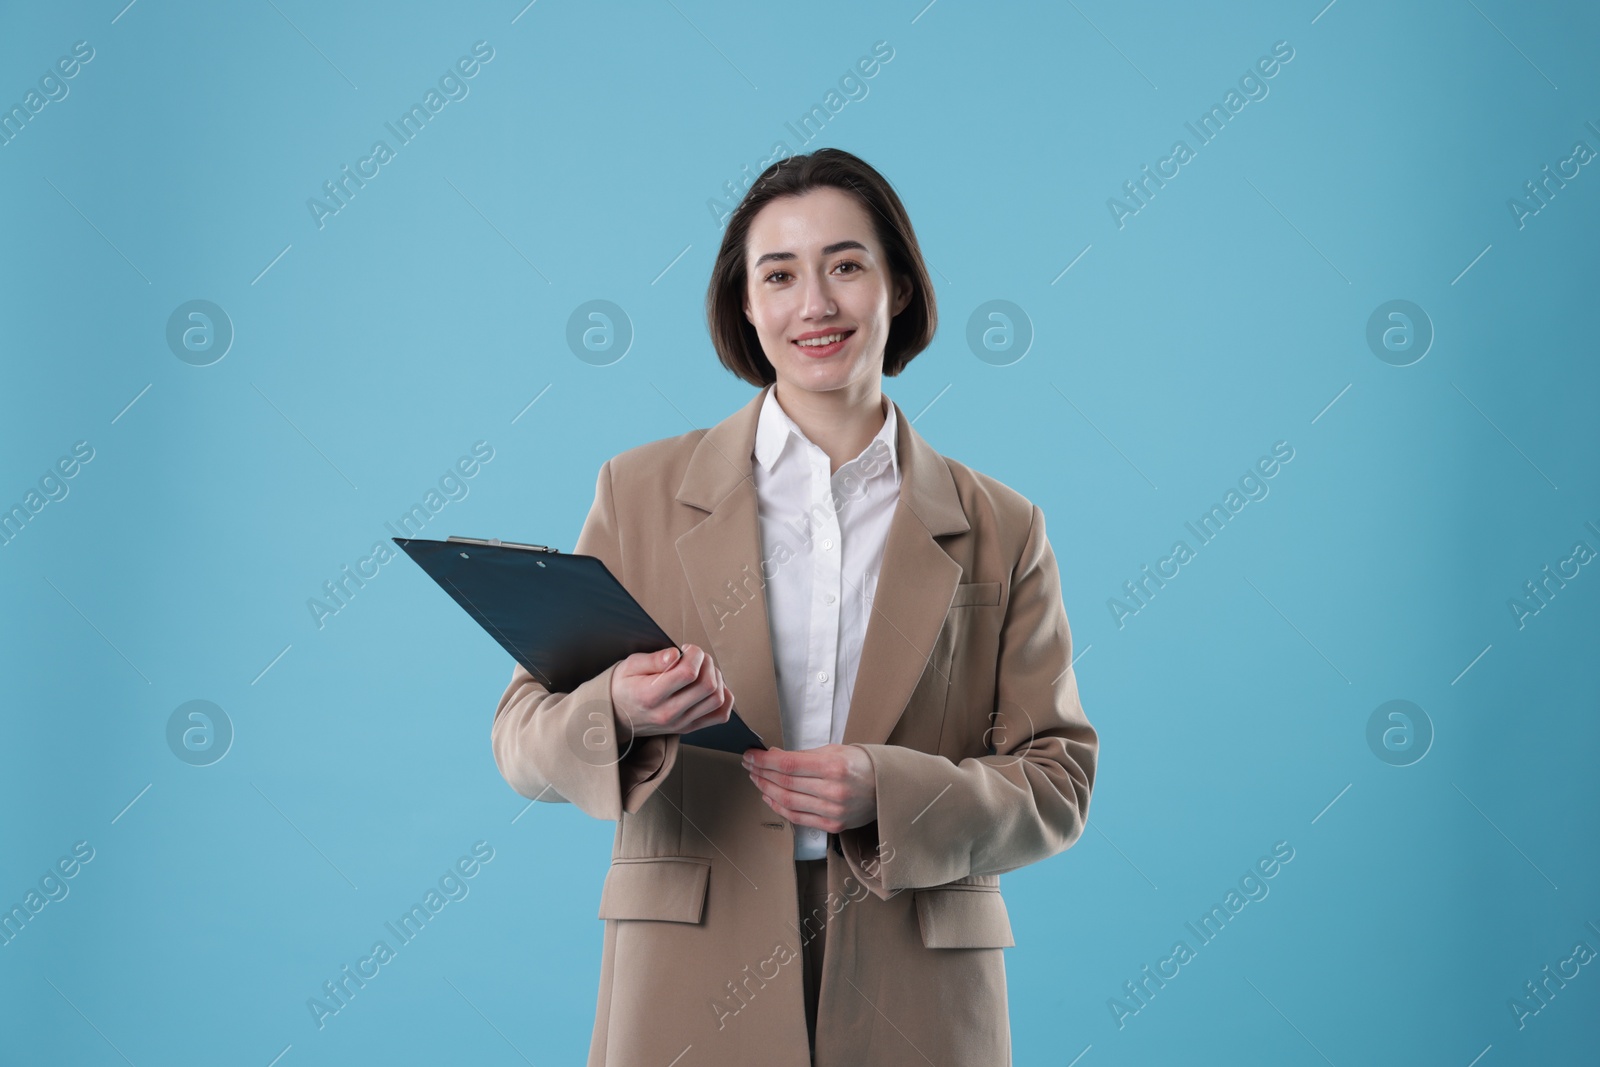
715 709
679 676
694 661
702 713
788 765
708 671
801 818
786 814
711 677
800 800
649 662
698 659
702 688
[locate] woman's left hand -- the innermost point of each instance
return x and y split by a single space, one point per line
831 787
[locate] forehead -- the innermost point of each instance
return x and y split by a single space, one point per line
809 224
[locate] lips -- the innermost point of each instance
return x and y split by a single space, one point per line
822 350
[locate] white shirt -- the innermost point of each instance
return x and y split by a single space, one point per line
822 539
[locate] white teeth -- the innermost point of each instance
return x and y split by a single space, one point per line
817 342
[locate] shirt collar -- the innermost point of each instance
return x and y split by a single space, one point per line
774 427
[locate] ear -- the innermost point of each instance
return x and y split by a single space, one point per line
902 295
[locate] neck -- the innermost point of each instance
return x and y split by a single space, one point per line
842 422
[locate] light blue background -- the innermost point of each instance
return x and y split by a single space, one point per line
1230 313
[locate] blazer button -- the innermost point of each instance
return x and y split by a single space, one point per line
773 825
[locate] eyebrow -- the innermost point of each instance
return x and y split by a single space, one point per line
839 246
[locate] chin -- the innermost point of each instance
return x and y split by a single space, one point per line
821 379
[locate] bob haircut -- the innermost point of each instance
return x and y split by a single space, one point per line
737 344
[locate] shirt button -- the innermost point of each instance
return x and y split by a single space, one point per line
822 676
827 543
828 597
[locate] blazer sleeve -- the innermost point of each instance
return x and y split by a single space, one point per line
940 821
562 747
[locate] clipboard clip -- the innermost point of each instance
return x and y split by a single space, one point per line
496 542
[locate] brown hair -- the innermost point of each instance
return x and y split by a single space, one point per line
737 344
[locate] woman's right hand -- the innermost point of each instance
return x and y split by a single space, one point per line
669 692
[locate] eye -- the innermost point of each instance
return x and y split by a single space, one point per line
855 268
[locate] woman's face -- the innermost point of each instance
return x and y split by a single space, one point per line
814 268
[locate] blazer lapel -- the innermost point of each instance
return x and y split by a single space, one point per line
915 587
721 559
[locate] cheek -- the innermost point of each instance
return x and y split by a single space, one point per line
768 316
874 319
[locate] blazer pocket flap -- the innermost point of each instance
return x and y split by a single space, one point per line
669 888
976 593
963 917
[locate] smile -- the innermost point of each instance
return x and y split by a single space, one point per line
824 344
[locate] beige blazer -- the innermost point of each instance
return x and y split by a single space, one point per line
965 700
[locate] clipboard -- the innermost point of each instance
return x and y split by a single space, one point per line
563 616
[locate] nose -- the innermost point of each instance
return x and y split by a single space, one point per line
818 302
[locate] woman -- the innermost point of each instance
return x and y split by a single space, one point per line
888 620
